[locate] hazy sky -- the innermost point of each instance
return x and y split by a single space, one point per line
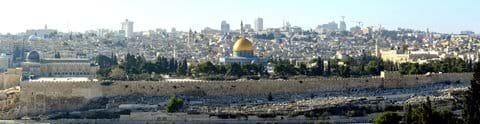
79 15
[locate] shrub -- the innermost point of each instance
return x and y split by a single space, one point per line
354 113
293 114
388 118
174 104
267 115
270 97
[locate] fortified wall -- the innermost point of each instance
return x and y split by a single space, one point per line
11 78
42 97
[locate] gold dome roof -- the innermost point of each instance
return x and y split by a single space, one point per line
243 44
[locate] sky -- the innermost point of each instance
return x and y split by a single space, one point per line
446 16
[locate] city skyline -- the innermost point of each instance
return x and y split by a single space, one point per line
79 16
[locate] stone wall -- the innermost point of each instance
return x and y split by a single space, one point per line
62 96
10 79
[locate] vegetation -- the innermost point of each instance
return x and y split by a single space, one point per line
388 118
355 113
426 114
446 65
267 115
366 66
137 68
57 55
174 104
270 97
235 69
471 106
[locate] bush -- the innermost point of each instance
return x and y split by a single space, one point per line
213 78
229 115
393 108
355 113
253 77
388 118
270 97
267 115
426 114
174 104
311 114
293 114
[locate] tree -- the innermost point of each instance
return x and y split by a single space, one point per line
388 118
172 65
374 67
344 71
317 70
117 74
302 69
270 97
174 104
205 68
114 59
408 116
182 67
234 69
284 69
57 55
426 114
103 61
103 73
471 106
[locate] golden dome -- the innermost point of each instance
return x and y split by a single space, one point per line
243 44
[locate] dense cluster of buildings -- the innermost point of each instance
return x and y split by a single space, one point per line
50 53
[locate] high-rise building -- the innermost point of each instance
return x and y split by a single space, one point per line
343 26
127 27
258 24
247 27
225 27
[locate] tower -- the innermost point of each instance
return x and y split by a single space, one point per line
259 24
225 27
343 26
189 38
127 26
241 29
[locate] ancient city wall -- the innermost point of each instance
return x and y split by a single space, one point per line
50 96
10 79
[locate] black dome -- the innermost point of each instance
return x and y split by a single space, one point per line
33 56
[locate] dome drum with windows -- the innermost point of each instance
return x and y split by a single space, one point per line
243 48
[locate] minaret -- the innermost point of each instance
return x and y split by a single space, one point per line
189 38
175 51
428 35
241 29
